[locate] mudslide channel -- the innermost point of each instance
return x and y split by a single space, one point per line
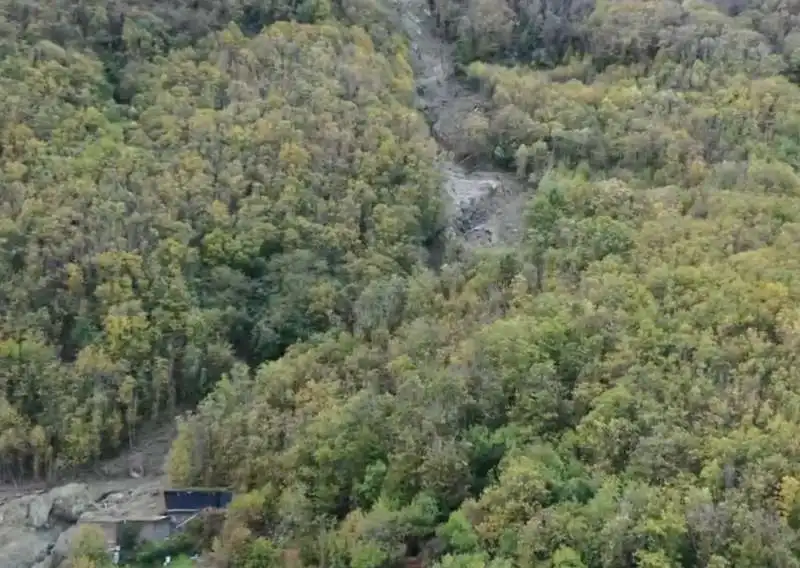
485 204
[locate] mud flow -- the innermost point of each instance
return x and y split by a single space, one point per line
484 204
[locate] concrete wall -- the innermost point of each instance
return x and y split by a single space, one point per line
109 530
136 529
154 531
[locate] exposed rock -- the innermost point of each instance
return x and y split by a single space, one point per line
114 499
15 512
486 204
23 548
61 549
39 510
71 501
35 523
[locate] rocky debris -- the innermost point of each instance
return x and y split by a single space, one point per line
143 500
15 512
70 502
36 530
486 209
479 213
60 551
31 526
37 522
22 547
39 509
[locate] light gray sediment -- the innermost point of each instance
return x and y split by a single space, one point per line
485 205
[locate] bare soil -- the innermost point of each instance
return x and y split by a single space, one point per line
112 474
485 204
106 488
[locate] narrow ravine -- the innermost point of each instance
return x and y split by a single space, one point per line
485 204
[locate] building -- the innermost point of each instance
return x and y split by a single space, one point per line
129 530
124 530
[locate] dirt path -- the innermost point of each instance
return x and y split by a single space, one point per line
485 204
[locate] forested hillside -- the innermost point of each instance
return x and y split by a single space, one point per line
243 200
235 205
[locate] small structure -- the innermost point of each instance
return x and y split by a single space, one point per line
124 529
129 530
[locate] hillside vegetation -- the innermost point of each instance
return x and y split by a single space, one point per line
243 200
232 205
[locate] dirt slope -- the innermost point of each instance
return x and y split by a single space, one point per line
486 204
153 445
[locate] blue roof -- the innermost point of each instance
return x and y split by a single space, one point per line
196 499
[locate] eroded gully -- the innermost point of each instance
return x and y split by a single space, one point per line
485 205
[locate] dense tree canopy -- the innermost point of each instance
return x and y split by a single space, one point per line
244 200
231 205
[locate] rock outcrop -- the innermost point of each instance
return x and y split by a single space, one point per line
24 547
70 502
33 526
39 510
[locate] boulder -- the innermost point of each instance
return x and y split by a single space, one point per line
61 550
15 512
39 510
23 548
71 501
